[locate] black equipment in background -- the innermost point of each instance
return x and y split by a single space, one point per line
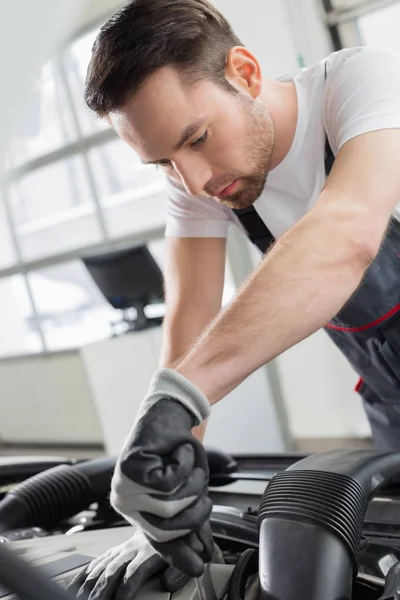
128 278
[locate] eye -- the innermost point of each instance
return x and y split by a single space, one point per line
164 163
201 139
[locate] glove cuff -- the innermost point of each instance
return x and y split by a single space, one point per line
167 383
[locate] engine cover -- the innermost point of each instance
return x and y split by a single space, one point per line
63 556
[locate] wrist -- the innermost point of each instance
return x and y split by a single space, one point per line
167 383
199 431
214 380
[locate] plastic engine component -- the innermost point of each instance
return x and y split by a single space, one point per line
46 499
310 523
332 501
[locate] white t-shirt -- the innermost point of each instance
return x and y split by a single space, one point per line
360 94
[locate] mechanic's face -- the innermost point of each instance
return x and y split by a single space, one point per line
214 142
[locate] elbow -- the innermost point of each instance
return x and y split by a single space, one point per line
359 233
364 249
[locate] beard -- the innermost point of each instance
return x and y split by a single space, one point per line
258 148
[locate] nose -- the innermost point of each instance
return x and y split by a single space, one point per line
194 174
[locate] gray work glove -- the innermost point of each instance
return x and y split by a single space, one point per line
161 476
120 572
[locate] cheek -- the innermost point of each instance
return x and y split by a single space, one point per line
227 146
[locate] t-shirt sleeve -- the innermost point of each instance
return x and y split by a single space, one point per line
195 216
362 94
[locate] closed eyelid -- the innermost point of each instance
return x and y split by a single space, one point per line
196 141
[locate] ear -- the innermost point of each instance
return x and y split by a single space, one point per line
243 71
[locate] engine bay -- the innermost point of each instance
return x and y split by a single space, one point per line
60 540
62 556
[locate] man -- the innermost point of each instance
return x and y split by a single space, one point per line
178 86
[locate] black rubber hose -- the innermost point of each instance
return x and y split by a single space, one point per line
246 565
18 468
310 523
26 581
59 493
56 494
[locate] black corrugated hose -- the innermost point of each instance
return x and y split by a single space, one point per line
310 523
46 499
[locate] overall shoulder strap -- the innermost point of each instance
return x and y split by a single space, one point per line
329 156
257 231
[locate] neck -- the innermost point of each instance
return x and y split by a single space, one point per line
281 100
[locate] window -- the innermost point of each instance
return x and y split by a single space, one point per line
18 328
44 193
362 22
347 4
7 254
131 194
53 209
48 124
75 61
118 172
381 27
71 309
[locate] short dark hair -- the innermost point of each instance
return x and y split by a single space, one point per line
145 35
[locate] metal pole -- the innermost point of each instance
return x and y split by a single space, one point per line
333 30
242 264
21 266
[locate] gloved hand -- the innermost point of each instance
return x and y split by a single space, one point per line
161 476
121 571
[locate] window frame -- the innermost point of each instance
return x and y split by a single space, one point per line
80 147
342 22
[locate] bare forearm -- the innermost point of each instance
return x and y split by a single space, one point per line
181 330
302 283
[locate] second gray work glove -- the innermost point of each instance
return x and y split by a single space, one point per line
120 573
161 476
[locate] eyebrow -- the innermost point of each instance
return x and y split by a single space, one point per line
186 135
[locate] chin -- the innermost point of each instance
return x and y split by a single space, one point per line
240 200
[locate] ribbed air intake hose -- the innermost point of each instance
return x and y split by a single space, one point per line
310 523
62 491
56 494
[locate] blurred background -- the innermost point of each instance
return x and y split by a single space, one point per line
71 188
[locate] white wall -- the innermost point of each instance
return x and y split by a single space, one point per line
99 9
119 371
311 38
26 41
263 27
46 399
318 386
278 32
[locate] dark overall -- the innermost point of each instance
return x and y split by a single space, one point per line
367 329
